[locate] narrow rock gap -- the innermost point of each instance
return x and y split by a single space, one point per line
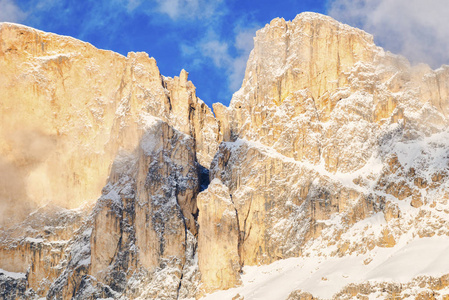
179 285
203 177
241 237
186 230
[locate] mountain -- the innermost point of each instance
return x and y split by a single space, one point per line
326 177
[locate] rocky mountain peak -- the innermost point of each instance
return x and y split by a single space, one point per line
78 107
332 155
312 50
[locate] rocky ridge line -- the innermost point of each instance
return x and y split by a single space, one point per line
315 141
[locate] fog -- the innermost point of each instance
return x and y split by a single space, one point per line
417 29
21 152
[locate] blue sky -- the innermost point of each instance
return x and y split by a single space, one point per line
212 39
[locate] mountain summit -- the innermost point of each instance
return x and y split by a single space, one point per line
325 178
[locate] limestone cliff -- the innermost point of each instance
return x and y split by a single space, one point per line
311 131
218 238
68 108
142 228
329 130
333 152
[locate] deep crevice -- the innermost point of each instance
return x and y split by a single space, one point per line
203 177
241 237
179 285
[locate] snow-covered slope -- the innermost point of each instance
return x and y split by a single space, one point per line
324 277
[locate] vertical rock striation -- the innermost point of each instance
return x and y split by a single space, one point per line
142 225
314 135
327 130
66 103
218 238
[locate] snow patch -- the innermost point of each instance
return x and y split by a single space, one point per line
14 275
325 276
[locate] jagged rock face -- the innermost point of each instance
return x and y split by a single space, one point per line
316 131
317 144
280 203
35 248
142 226
218 238
309 81
68 108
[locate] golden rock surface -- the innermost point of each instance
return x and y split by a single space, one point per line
327 131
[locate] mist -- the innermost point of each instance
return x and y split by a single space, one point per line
416 29
25 150
13 204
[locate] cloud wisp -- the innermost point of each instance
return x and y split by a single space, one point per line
190 9
11 12
414 28
229 55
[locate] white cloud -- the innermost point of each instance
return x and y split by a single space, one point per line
237 72
244 43
10 12
218 51
417 29
244 40
131 5
212 48
190 9
227 54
